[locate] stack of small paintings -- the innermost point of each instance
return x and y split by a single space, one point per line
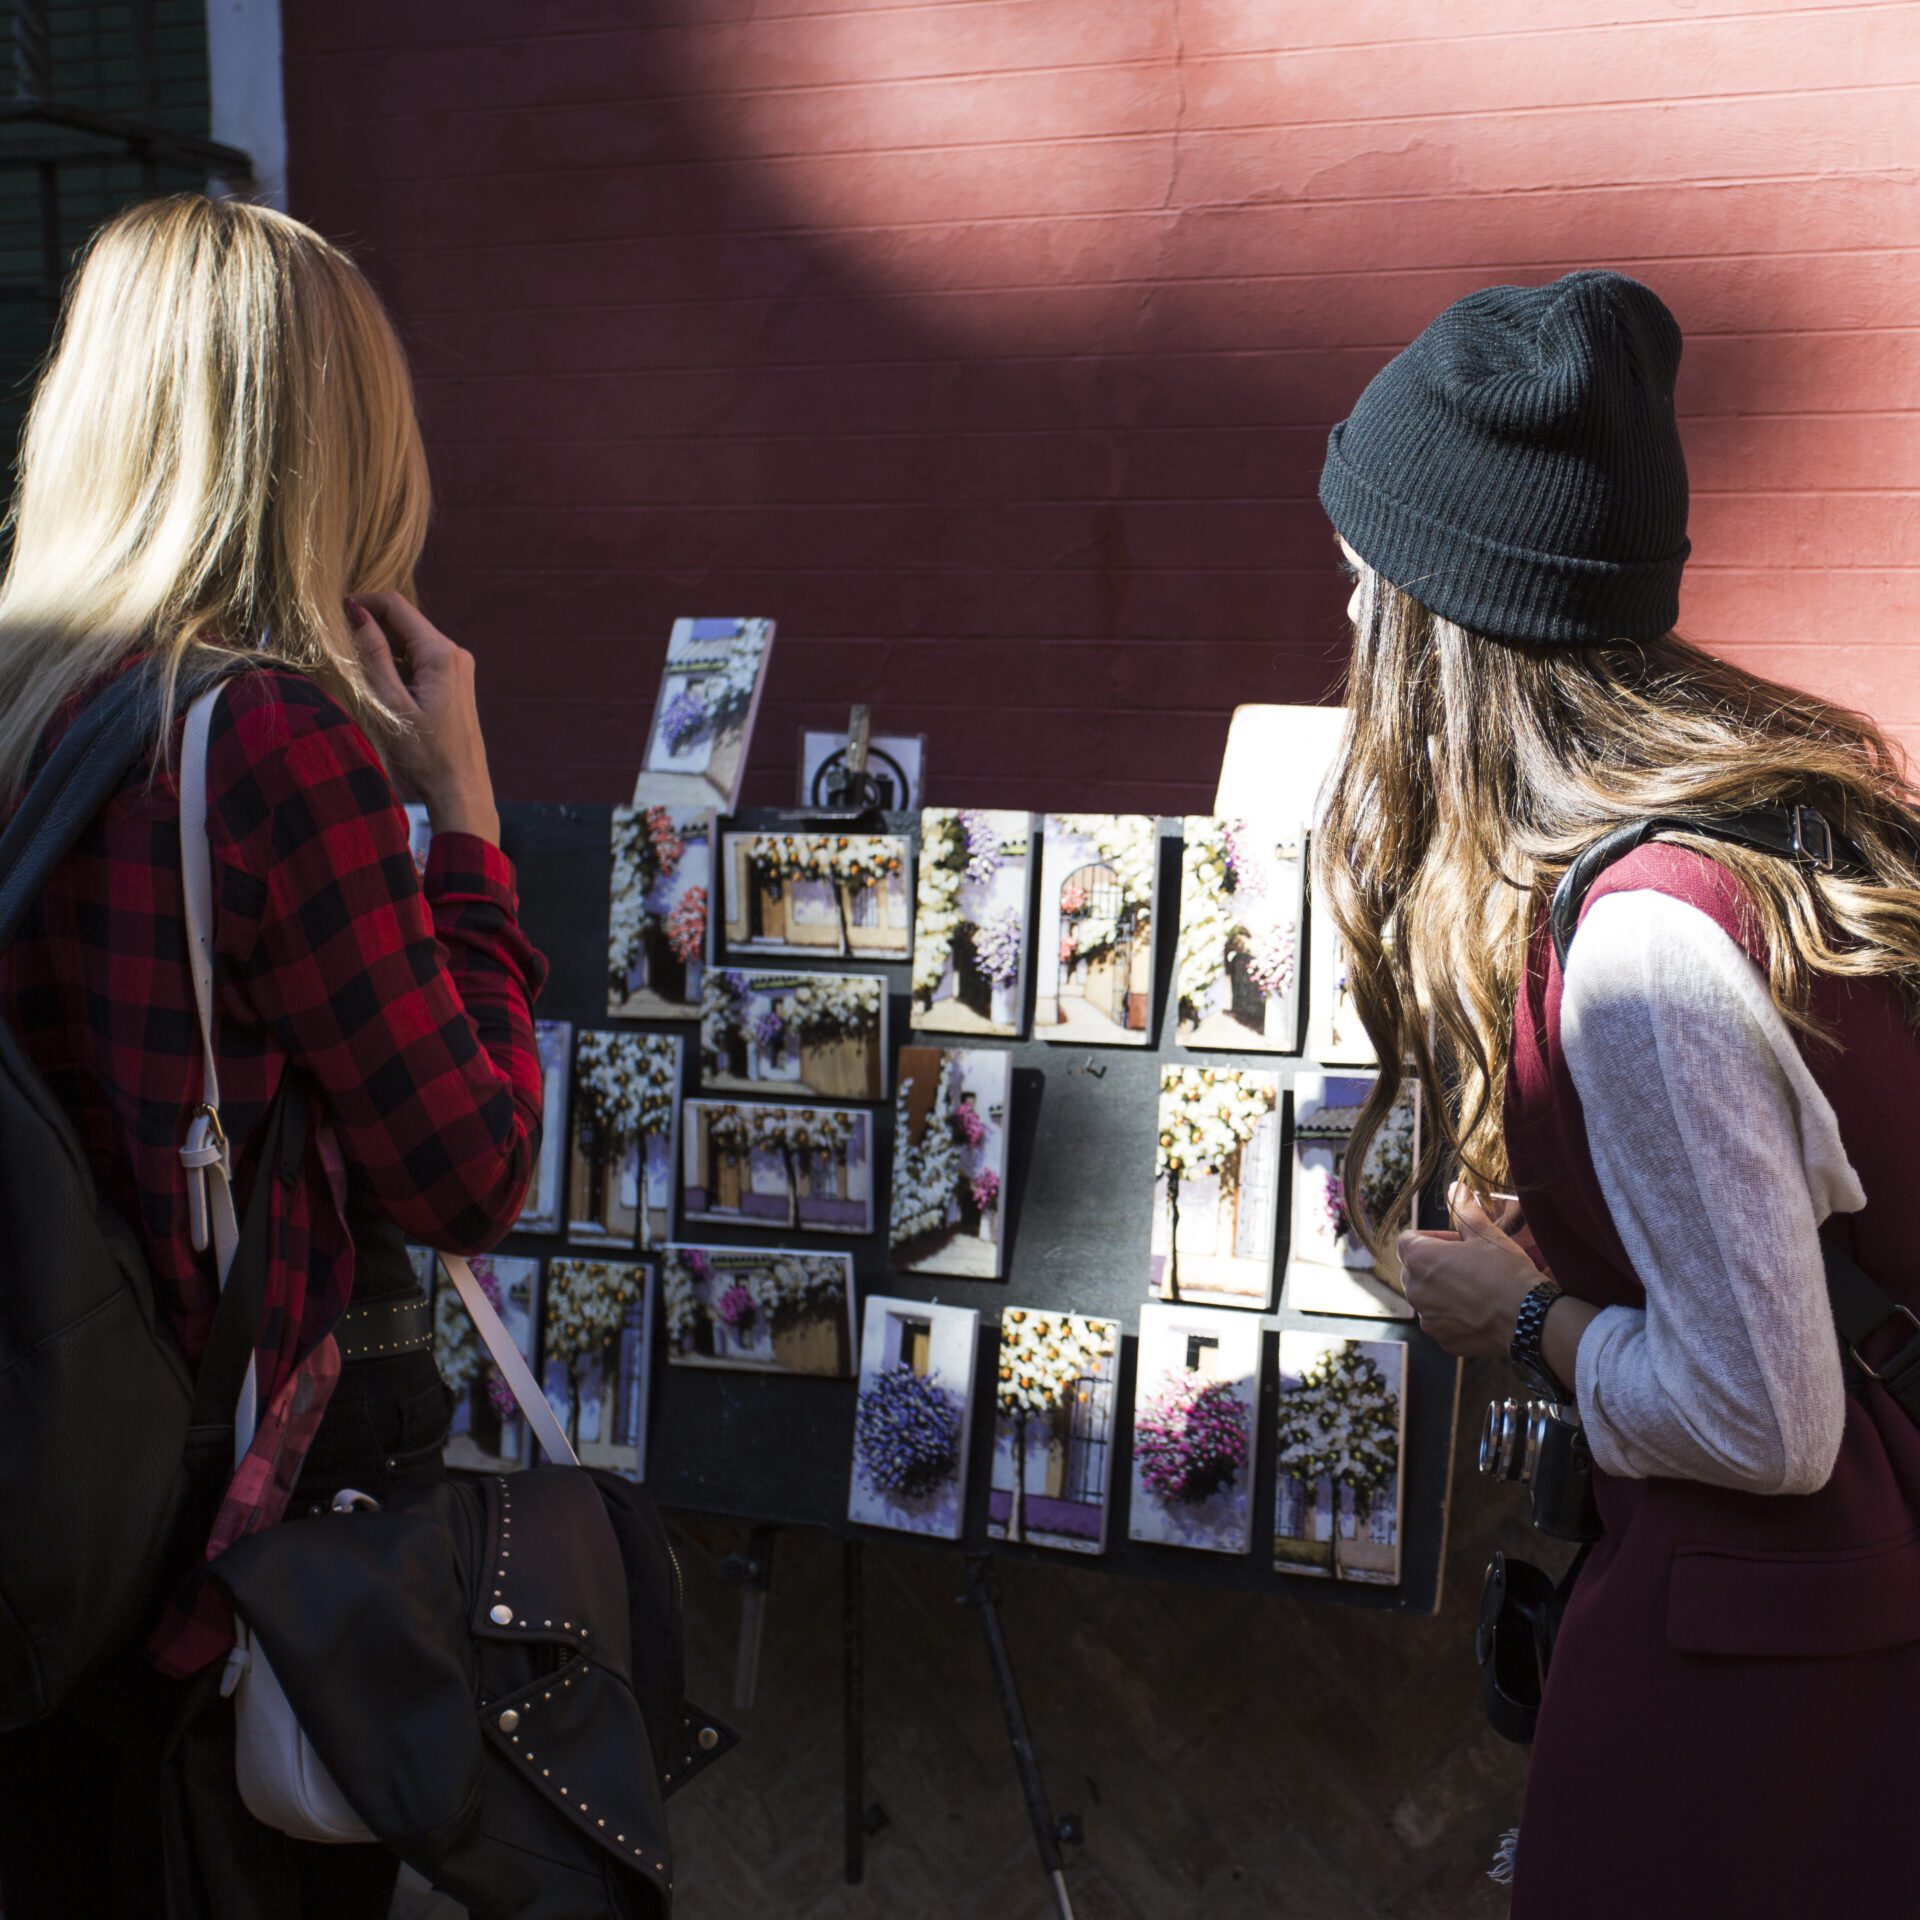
703 719
760 1309
657 937
1053 1430
541 1208
818 895
487 1431
1342 1441
1216 1186
1238 963
1093 967
914 1416
1195 1402
1330 1269
970 921
950 1161
804 1168
596 1343
763 1031
626 1111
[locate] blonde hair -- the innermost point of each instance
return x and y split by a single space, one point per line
222 446
1474 770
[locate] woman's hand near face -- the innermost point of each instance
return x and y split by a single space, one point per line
1467 1284
428 680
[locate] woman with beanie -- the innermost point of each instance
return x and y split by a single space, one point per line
1720 1074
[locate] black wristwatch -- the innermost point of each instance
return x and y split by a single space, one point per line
1525 1351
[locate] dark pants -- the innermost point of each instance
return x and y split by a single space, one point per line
123 1805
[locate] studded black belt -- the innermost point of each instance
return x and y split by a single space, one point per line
377 1329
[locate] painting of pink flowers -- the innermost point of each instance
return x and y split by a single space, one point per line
1099 905
950 1161
487 1432
1239 964
970 921
659 928
759 1309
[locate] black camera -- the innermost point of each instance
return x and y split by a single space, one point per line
1532 1442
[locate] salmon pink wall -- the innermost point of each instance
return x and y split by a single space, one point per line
991 345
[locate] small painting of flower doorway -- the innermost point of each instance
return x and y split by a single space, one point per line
1053 1430
1342 1441
948 1201
1195 1401
822 1033
752 1165
545 1195
626 1110
657 937
913 1417
1099 886
597 1352
487 1431
1330 1269
703 718
818 894
760 1309
970 921
1237 969
1216 1186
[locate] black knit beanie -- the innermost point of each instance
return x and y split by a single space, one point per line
1518 468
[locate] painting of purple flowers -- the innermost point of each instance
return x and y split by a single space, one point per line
760 1309
970 921
703 719
749 1164
1195 1399
767 1031
1330 1269
914 1417
487 1431
1238 969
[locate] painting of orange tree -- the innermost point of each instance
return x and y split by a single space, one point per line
1053 1430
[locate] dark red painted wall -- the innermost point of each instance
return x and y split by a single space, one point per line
990 345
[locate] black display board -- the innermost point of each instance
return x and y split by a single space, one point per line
778 1449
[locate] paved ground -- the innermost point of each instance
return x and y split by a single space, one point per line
1230 1756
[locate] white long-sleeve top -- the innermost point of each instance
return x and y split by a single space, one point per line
1718 1157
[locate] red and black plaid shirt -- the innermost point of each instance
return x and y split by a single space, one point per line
406 1006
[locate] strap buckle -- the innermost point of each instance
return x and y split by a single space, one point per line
1813 840
1902 1362
212 1117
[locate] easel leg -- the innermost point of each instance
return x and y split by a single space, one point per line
853 1725
751 1571
1047 1831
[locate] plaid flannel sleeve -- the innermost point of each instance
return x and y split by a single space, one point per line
408 1005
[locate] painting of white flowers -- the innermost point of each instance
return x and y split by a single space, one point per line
838 895
487 1431
970 921
657 924
626 1111
913 1417
1334 1032
1093 956
703 719
760 1309
749 1165
1196 1397
596 1356
1216 1186
763 1031
540 1210
950 1161
1329 1269
1342 1430
1237 970
1053 1429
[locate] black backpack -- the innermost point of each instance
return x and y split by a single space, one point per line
95 1396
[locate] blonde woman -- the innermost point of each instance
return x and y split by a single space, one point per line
1725 1069
223 454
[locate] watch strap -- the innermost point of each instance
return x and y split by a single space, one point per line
1525 1351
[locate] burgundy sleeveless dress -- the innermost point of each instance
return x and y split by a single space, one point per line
1732 1723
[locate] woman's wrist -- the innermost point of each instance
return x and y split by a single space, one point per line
465 813
1566 1324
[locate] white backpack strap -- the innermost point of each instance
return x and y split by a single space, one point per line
533 1404
205 1155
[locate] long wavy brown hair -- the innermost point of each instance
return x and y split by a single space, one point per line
1474 770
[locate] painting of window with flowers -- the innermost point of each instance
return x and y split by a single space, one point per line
750 1165
658 922
947 1208
970 921
838 895
1238 963
488 1432
913 1417
1053 1429
1216 1186
541 1206
703 717
763 1031
1196 1398
1093 939
760 1309
626 1113
596 1346
1342 1441
1329 1269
